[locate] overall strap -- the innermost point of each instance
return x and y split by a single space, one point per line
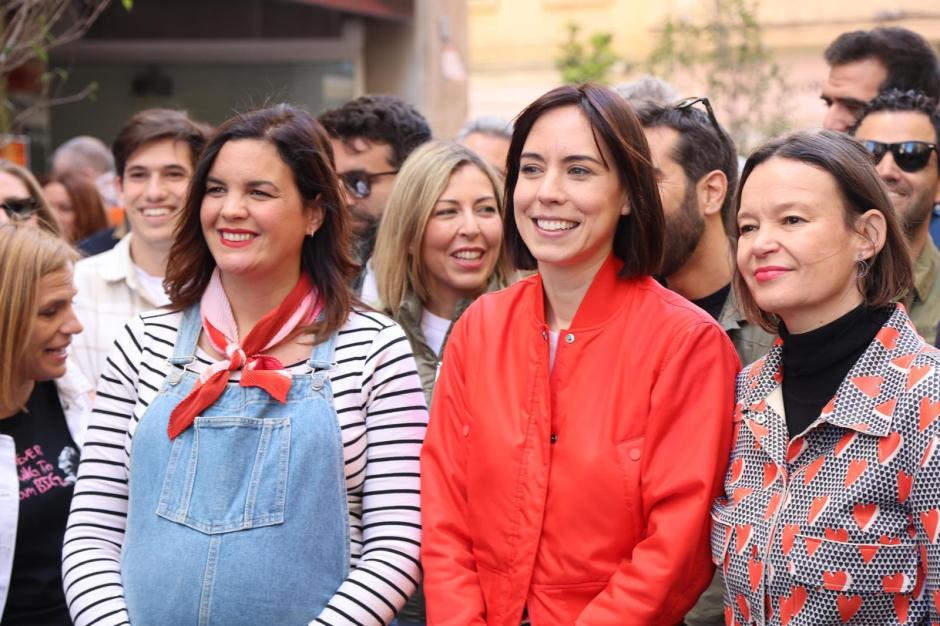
322 357
184 352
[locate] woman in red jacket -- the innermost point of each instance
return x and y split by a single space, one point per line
582 417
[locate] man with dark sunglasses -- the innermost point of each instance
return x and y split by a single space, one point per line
901 129
371 136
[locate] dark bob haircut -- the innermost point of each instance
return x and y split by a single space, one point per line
638 239
890 275
303 145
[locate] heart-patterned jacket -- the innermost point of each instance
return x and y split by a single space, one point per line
840 524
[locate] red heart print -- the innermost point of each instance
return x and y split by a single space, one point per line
868 552
895 583
929 520
812 469
786 537
856 468
905 482
791 605
869 385
845 442
928 413
737 468
917 374
888 447
848 606
865 514
888 337
836 581
816 508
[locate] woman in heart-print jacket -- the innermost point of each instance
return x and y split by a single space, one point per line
831 510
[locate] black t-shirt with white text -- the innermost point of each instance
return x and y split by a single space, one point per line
46 463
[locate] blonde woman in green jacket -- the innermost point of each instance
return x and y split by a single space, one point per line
439 246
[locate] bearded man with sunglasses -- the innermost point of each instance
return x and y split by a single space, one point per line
902 131
371 137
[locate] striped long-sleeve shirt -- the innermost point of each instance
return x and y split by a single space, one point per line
382 416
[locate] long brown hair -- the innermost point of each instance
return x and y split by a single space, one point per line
889 276
325 257
639 237
89 209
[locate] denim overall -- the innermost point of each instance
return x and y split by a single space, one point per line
242 519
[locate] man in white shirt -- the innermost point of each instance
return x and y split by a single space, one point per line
154 155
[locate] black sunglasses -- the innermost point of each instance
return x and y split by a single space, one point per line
687 103
359 182
910 156
20 208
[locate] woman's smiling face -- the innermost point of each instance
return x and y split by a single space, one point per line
795 251
567 200
253 216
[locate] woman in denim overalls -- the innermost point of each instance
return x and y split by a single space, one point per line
237 510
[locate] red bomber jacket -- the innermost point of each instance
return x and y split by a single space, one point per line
580 493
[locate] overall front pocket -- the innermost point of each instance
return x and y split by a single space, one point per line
228 473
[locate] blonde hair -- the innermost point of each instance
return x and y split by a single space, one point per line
45 215
26 255
398 259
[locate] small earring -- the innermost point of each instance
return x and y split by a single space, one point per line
863 266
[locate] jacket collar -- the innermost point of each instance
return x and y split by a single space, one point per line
863 402
926 267
120 266
595 308
731 317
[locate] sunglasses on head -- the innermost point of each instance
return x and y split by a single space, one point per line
359 182
910 156
20 208
687 103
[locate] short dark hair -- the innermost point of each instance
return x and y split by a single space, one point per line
326 257
152 125
898 100
910 61
639 237
382 119
890 275
700 149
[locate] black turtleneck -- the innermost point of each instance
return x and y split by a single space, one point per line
816 362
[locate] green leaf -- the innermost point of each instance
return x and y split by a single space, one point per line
128 4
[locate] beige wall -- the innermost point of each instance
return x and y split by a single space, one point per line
407 59
513 43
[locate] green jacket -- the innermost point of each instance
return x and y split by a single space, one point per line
409 318
924 303
750 340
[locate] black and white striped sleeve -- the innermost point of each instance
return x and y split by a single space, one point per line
392 405
91 558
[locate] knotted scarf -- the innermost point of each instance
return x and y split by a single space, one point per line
301 306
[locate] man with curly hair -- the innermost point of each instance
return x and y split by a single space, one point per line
371 136
902 131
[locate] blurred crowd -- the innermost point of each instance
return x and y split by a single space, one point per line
335 370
